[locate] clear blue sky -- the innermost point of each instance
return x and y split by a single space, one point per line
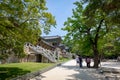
61 9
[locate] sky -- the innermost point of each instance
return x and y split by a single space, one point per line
61 9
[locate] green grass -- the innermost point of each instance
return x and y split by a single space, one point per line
12 70
8 71
64 60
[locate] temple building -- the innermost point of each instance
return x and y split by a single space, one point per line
52 40
50 43
47 49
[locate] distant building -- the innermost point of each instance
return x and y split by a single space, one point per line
53 43
52 40
50 43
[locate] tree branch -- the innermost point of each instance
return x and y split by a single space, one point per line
98 29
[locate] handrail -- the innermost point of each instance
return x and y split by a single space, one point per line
29 48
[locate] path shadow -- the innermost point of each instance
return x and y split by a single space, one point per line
6 73
68 67
83 73
76 67
81 76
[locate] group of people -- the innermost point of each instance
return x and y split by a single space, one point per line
79 61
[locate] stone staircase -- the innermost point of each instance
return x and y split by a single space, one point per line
31 49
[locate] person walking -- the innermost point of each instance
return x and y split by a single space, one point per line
77 60
88 61
80 60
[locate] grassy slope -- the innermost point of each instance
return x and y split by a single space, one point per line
30 66
11 70
8 71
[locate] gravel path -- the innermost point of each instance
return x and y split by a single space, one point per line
71 71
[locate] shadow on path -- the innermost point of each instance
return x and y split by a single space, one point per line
84 73
71 71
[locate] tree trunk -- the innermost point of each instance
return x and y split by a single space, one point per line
96 61
96 58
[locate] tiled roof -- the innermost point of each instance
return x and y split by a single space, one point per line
47 43
51 37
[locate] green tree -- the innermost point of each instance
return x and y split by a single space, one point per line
110 8
111 42
111 11
22 21
88 26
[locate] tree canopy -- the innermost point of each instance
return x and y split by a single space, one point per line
22 21
93 23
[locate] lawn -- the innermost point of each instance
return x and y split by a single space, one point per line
8 71
62 60
12 70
